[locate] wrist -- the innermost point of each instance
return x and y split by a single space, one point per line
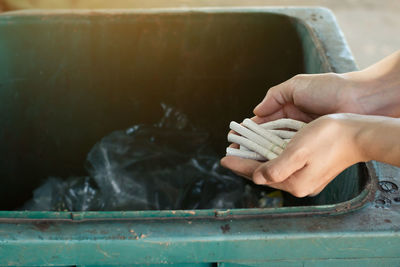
377 137
353 129
369 92
355 90
363 133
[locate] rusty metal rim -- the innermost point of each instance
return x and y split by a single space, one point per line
360 201
366 195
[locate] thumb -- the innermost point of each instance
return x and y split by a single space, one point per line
279 169
275 98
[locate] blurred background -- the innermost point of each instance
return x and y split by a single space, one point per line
371 27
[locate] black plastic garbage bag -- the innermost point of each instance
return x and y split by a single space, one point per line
169 165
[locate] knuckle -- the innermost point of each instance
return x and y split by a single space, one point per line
300 154
315 193
300 190
332 122
300 76
258 179
298 81
300 193
272 174
272 90
332 75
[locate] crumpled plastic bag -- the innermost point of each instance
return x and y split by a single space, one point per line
166 166
73 194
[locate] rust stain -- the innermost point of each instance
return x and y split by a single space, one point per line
142 236
103 252
225 228
93 231
42 226
314 227
313 17
135 236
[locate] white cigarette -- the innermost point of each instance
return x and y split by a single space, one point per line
256 138
283 134
283 123
244 154
264 133
233 138
243 148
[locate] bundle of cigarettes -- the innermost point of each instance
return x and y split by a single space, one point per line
262 142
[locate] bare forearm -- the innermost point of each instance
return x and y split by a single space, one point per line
378 139
377 88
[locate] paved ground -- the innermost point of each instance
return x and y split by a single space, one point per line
372 27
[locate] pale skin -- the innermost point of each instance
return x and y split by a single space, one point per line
352 117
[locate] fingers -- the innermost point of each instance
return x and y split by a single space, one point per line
276 97
309 162
301 184
277 170
234 145
287 111
297 184
293 112
242 167
272 117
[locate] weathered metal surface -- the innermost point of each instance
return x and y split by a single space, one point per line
362 231
368 233
276 48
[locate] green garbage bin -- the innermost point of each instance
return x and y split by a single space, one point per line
68 78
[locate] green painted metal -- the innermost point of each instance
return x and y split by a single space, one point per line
60 69
158 265
344 207
54 60
367 262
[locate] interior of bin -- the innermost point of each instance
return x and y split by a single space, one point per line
67 80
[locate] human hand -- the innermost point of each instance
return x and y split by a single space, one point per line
308 96
372 91
311 159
